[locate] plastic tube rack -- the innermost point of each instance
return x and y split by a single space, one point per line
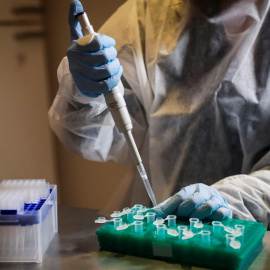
231 244
28 219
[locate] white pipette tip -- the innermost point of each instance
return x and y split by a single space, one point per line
16 192
146 182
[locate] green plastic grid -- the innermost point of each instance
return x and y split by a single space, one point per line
193 251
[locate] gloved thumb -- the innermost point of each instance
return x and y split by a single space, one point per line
75 8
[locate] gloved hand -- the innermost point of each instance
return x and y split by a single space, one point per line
94 67
198 200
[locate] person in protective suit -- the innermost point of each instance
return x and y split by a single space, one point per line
197 85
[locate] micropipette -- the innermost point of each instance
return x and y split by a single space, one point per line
117 106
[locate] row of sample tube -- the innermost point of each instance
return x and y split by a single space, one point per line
183 232
15 193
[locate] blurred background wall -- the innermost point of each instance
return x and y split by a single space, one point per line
26 144
35 36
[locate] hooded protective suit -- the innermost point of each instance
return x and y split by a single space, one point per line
198 91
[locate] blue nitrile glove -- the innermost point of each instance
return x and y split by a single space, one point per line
94 67
198 201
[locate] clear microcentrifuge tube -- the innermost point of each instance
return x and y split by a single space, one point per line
161 230
181 230
217 225
142 210
198 225
125 210
121 227
116 214
205 236
159 220
137 207
130 215
117 222
101 220
240 228
138 226
229 238
150 217
235 244
192 222
171 221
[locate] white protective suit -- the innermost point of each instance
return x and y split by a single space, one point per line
198 91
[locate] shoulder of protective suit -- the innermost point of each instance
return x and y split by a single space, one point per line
145 20
125 24
63 69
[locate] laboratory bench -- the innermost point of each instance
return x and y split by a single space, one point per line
76 247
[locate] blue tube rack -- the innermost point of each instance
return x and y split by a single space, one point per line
26 235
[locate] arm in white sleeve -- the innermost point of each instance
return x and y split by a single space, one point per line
248 195
84 124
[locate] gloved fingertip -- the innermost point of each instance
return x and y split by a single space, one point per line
160 212
198 215
75 8
78 7
220 214
168 207
120 72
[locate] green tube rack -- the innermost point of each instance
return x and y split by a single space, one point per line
214 253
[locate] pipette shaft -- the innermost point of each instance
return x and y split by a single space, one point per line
117 106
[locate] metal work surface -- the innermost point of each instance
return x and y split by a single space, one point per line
76 247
